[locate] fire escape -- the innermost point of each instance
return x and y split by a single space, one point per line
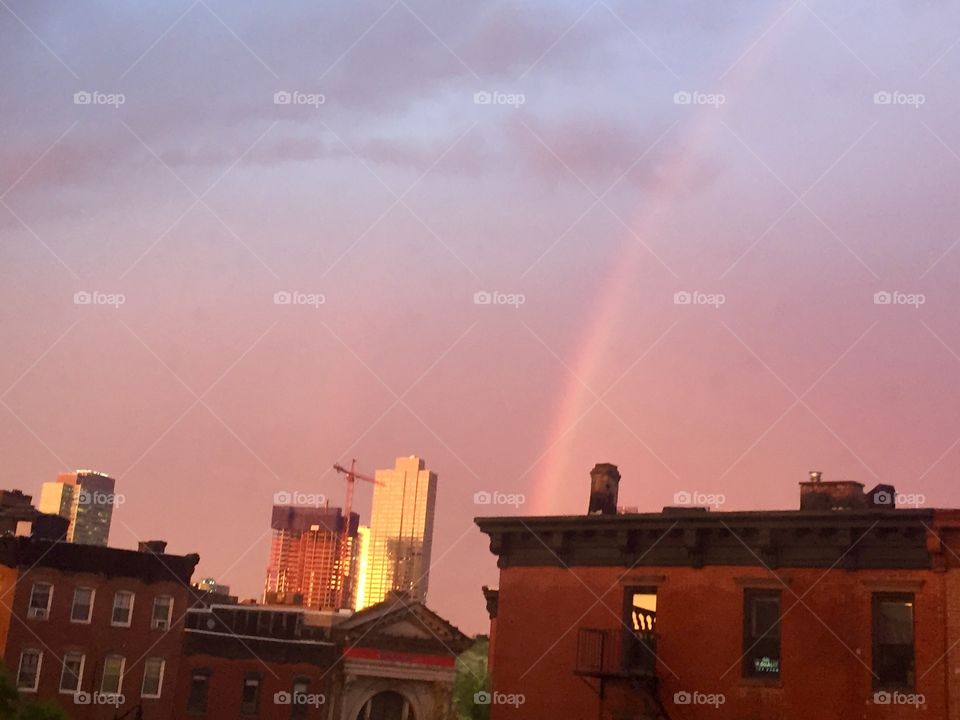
625 656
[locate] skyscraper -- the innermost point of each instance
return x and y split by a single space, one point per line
85 498
401 531
305 557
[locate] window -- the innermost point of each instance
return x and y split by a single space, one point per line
250 699
639 645
40 597
122 609
82 608
28 674
112 682
893 647
162 612
298 700
72 673
152 678
199 689
761 633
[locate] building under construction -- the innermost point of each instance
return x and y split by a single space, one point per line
306 558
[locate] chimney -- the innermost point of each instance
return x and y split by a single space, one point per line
817 494
154 547
604 489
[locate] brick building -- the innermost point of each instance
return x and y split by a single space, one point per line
392 661
95 629
845 608
255 661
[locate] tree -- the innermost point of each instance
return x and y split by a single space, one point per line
472 682
15 707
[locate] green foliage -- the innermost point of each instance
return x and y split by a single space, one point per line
40 710
15 707
472 678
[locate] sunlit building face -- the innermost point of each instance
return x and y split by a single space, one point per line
401 531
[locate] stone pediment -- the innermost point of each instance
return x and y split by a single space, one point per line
402 624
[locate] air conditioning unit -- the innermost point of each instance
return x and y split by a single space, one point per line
161 625
37 612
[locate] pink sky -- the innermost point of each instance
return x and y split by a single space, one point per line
793 195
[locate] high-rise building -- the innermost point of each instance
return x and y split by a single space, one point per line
305 557
85 498
363 564
401 531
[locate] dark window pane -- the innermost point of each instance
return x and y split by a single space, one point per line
761 633
893 641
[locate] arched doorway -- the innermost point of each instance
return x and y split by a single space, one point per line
386 705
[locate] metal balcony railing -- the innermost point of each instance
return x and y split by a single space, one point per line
616 653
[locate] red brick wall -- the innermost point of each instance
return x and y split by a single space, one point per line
825 665
98 639
226 683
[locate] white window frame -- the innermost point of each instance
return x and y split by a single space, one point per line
93 595
163 667
169 619
63 672
123 667
113 609
36 678
40 613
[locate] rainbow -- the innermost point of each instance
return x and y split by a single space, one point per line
549 491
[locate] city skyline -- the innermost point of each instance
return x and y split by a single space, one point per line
86 498
715 244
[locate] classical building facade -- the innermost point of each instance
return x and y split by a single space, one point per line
392 661
845 608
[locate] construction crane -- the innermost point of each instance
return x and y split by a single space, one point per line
352 477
